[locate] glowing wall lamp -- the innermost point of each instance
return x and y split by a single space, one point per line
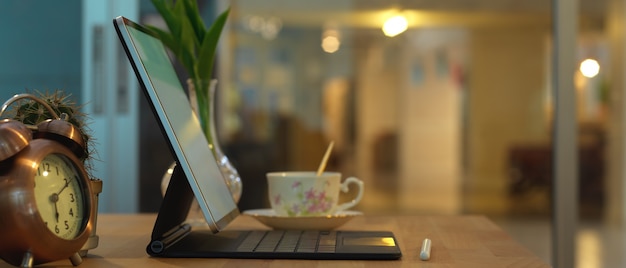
395 25
589 68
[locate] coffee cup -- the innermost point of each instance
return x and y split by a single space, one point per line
304 193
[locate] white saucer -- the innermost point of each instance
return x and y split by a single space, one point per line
269 218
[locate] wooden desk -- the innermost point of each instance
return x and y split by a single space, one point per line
457 241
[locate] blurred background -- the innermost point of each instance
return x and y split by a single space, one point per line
452 115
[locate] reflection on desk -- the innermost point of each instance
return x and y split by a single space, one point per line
457 241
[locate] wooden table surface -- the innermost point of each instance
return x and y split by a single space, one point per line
457 241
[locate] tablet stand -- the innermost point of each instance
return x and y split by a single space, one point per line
169 226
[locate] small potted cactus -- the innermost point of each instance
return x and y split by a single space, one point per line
33 113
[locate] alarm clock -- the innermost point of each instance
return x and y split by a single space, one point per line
47 205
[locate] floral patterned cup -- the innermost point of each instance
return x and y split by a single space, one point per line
297 194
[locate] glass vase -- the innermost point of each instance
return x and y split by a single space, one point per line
205 110
230 174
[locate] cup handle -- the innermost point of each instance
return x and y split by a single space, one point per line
345 189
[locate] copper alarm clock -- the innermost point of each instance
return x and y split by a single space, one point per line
46 201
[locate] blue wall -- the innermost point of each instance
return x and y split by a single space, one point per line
40 46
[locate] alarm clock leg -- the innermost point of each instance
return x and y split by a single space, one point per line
27 261
76 259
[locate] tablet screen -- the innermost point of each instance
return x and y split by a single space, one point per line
171 106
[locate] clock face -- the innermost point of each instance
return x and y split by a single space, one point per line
59 196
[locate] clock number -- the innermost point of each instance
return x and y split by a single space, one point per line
57 169
67 226
72 212
72 197
46 169
56 229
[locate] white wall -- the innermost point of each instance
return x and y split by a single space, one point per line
413 91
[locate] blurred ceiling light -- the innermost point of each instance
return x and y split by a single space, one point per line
331 38
268 28
330 44
255 23
590 68
395 25
273 25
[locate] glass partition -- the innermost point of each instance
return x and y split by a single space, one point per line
452 115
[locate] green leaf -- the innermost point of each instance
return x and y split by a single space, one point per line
193 14
206 56
188 38
189 44
187 59
179 15
166 9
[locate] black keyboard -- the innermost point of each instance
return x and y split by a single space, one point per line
289 241
278 244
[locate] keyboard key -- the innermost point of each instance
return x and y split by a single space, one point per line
269 242
251 241
289 241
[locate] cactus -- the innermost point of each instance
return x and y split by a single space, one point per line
32 113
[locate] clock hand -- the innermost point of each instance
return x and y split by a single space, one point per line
67 183
54 198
